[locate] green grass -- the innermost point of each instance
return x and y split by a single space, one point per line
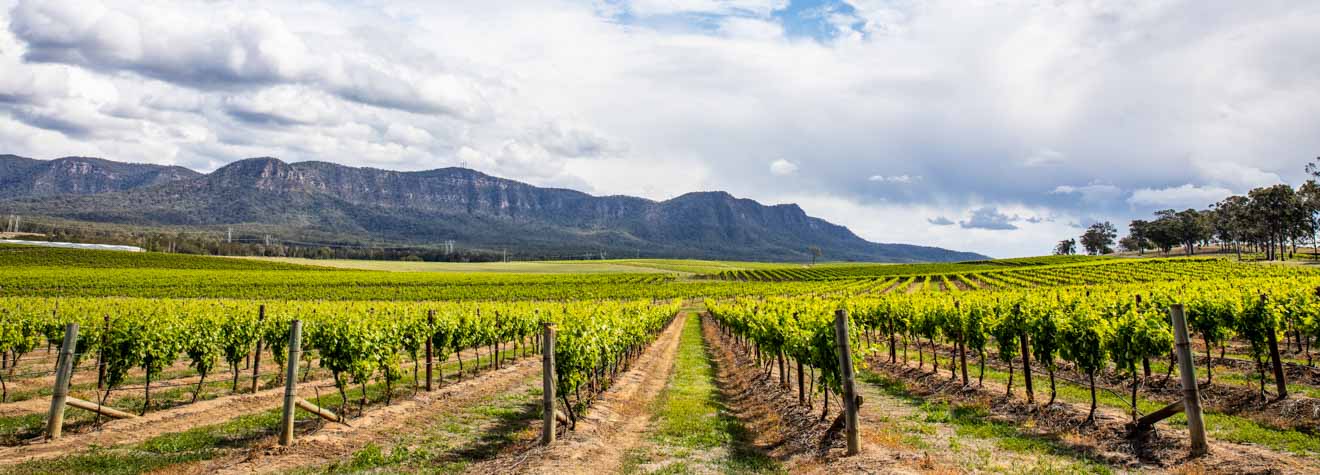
198 444
471 434
15 429
16 256
974 421
520 267
690 419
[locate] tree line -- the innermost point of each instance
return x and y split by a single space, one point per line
1270 220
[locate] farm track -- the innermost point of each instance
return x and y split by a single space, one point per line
1061 420
614 424
786 431
337 442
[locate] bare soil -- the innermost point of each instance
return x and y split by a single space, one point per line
614 424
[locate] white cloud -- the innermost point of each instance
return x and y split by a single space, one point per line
783 167
987 105
1043 157
1236 175
751 28
709 7
901 179
408 134
1093 192
990 219
1179 197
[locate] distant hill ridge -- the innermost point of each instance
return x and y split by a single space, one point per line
476 210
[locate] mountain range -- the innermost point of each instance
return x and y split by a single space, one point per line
325 201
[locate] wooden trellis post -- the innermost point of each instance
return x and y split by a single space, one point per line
291 382
548 385
846 371
63 372
430 336
256 357
1187 372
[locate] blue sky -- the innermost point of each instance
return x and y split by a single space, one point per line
997 127
801 19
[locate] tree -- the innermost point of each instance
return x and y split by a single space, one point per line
1309 194
1276 211
1228 221
1190 227
1138 238
1065 247
1099 238
815 253
1313 168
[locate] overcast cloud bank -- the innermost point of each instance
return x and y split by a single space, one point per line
897 119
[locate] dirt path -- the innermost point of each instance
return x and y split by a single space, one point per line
337 442
614 424
776 424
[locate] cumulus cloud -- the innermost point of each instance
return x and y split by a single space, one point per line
940 221
988 218
248 46
783 167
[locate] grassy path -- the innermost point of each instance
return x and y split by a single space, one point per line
692 431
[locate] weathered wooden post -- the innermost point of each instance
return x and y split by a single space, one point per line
291 382
1276 362
100 354
548 385
256 358
430 336
1187 371
63 371
802 385
846 371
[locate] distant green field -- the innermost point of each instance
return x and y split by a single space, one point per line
555 267
834 271
610 266
14 255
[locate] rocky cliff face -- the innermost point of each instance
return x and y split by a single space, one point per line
20 177
448 203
